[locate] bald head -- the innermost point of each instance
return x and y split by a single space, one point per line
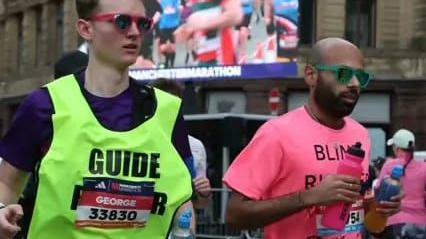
336 51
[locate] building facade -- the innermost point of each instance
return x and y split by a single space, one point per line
391 33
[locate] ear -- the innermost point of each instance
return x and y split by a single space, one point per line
311 76
85 29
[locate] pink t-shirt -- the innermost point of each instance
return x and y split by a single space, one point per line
413 208
290 154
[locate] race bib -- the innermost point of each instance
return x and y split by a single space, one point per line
354 224
113 203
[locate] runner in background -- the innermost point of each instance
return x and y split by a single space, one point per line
410 222
243 29
283 17
210 25
169 21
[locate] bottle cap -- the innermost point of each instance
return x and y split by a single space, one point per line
356 150
397 172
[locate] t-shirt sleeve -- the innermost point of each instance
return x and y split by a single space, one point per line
256 168
22 145
181 143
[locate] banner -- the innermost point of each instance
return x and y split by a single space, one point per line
262 71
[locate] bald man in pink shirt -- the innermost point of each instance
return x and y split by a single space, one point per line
286 175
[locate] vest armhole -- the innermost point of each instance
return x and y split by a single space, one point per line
50 99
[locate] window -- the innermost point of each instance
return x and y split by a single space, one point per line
360 22
39 34
60 29
378 142
226 102
2 36
307 16
20 45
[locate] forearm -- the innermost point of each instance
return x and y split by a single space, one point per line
231 16
8 195
201 202
268 9
12 182
250 214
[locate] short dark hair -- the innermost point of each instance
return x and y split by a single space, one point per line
169 86
85 8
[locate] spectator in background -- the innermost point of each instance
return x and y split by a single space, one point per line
410 222
201 182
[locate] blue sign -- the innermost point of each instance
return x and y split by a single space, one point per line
249 71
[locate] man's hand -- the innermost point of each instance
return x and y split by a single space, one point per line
202 186
333 189
9 217
391 208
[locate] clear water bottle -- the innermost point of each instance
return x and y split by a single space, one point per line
182 229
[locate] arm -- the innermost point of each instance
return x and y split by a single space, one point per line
269 10
203 191
21 147
201 182
156 17
250 214
12 182
20 150
181 143
232 15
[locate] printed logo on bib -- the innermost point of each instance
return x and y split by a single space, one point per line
354 224
113 203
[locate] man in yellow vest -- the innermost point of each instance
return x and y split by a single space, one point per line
111 157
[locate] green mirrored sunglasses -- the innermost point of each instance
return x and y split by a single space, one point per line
344 74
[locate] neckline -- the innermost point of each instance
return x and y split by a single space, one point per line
80 84
318 122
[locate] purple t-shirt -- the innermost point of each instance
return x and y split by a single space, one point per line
30 135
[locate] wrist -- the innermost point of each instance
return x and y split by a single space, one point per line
204 195
308 198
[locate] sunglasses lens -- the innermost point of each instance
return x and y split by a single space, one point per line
123 22
344 75
144 24
363 78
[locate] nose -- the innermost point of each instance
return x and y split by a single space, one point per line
354 82
134 30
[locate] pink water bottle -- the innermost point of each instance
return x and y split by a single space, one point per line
335 216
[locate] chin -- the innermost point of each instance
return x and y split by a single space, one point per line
128 61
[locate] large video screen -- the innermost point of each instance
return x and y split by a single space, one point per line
220 39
